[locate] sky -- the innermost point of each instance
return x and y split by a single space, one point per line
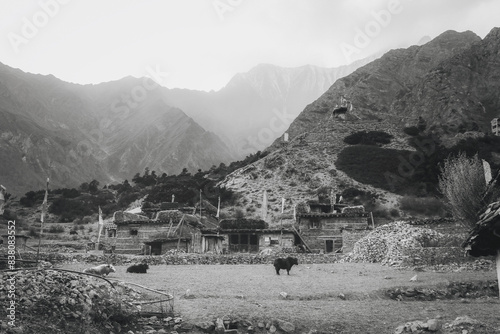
201 44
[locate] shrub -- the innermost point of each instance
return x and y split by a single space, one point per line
56 229
411 130
427 206
462 184
370 165
9 215
368 138
394 213
78 221
33 232
238 213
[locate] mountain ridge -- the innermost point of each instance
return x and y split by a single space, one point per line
72 134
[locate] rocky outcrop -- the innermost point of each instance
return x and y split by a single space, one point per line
459 94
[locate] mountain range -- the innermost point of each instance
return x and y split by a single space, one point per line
257 106
447 87
75 133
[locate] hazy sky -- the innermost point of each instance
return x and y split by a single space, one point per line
201 44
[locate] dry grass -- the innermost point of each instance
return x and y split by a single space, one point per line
253 292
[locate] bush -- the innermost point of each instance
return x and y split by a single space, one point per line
9 215
56 229
411 130
394 213
33 232
238 213
462 184
427 206
368 138
373 165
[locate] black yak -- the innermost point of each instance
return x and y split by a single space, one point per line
101 270
138 268
287 264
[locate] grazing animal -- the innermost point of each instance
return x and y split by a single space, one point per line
138 268
287 264
101 270
73 232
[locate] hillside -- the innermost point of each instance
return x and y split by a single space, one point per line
377 93
375 87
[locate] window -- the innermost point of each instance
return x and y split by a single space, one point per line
234 239
314 225
133 232
275 241
254 239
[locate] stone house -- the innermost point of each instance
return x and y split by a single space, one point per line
321 228
140 235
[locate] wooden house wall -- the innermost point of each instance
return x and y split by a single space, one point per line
264 240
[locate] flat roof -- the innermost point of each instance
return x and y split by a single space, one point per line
333 215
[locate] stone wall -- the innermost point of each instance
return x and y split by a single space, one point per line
430 256
181 258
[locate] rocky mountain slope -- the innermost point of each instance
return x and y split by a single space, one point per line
73 133
460 94
454 71
374 88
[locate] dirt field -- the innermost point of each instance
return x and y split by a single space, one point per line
253 292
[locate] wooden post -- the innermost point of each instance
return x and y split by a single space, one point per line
180 233
373 222
305 244
169 228
42 218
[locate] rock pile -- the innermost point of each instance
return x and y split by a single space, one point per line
54 295
476 265
454 290
389 244
461 325
430 221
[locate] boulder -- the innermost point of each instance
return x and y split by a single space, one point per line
286 326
